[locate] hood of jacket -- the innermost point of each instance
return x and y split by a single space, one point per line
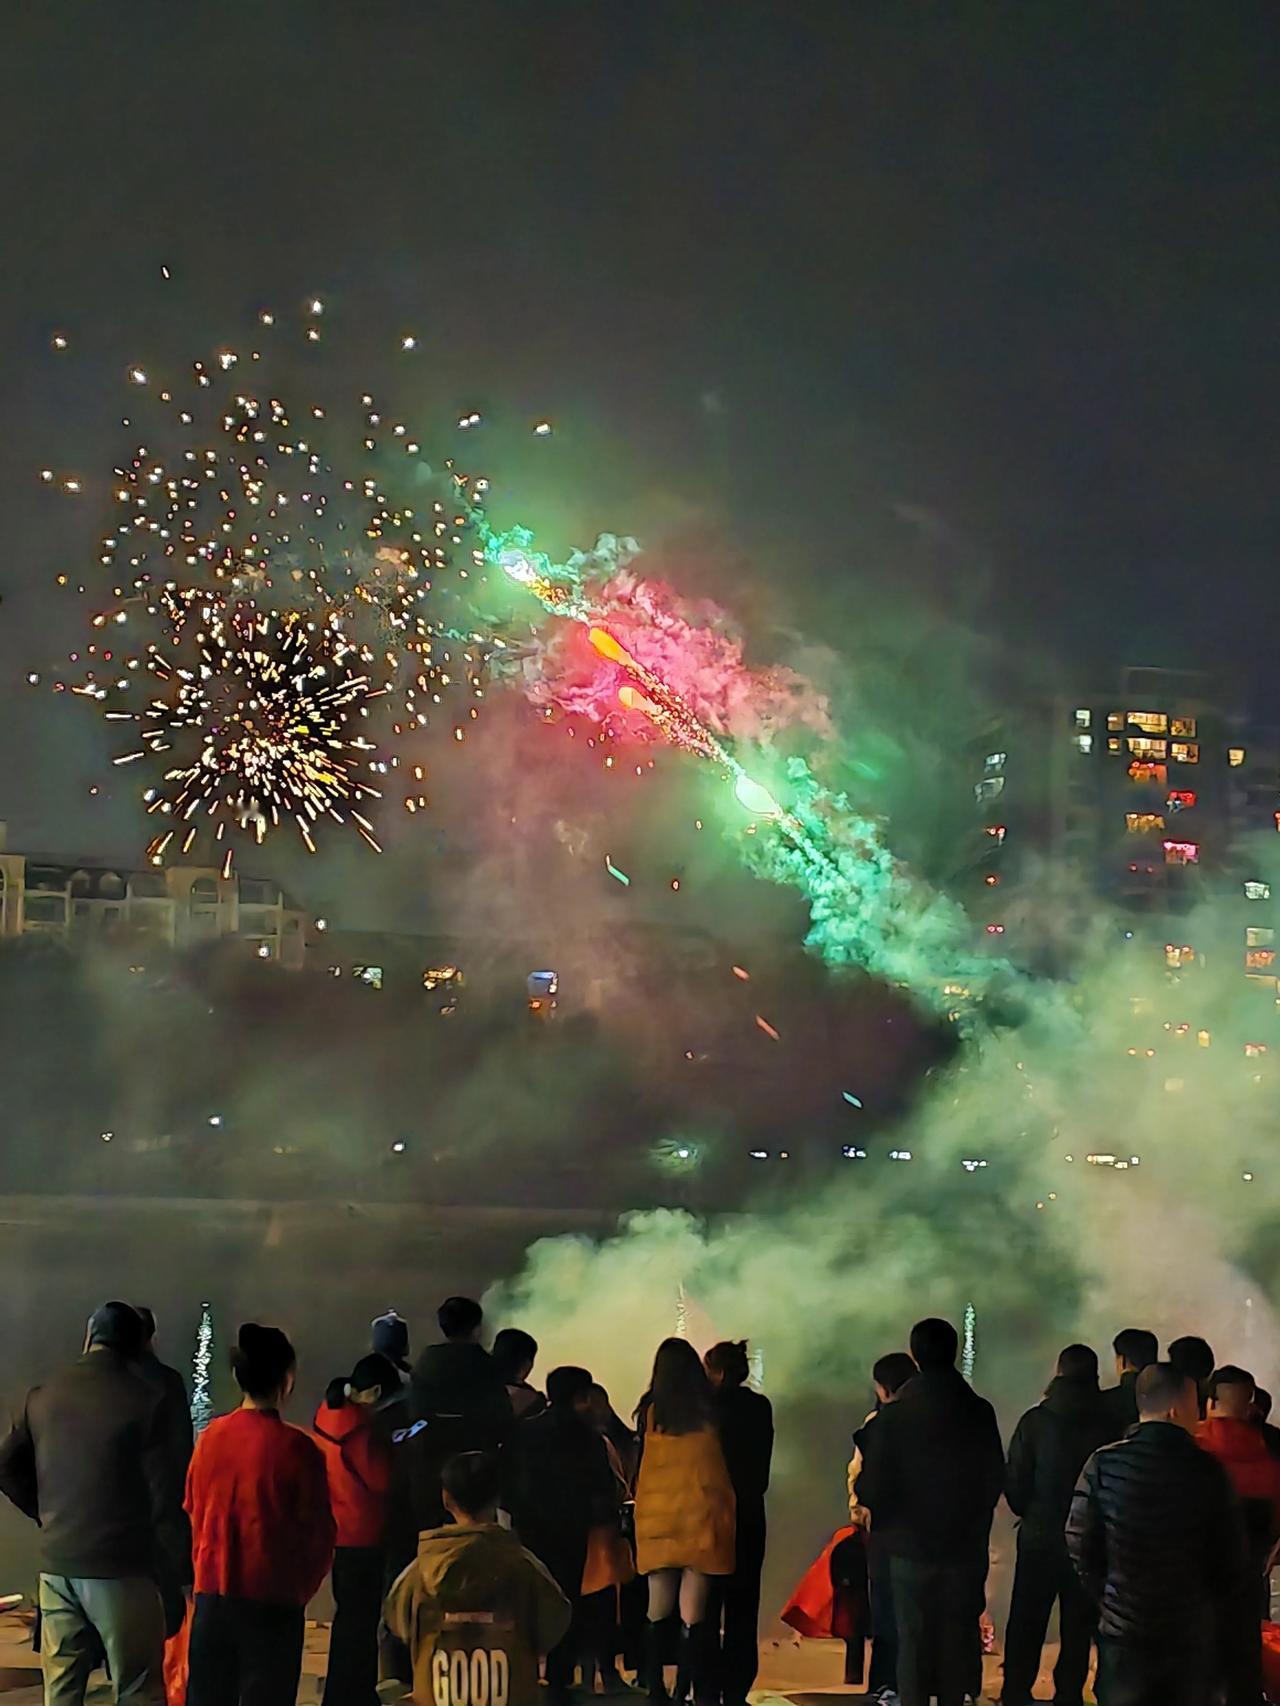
1233 1443
459 1566
339 1422
1073 1400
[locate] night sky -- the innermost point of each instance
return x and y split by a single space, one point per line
975 302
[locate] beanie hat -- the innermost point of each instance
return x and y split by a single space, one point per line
390 1338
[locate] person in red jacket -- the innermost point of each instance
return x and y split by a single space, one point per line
1229 1434
357 1456
262 1535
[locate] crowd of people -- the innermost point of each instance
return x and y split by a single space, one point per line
486 1539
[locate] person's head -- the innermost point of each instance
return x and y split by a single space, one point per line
369 1382
600 1411
116 1327
1167 1393
1231 1393
469 1486
726 1363
1193 1356
1261 1404
889 1374
1078 1363
1134 1348
515 1352
264 1365
569 1388
389 1337
147 1317
680 1391
934 1344
460 1319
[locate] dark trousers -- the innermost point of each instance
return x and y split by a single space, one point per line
244 1653
937 1607
1241 1647
733 1613
352 1679
1129 1675
1043 1574
884 1626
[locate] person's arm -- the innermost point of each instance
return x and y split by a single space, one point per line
1020 1468
877 1480
1225 1552
1086 1533
18 1468
765 1443
992 1460
317 1528
551 1610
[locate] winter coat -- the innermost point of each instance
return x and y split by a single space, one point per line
685 1508
526 1400
933 1469
476 1612
1156 1537
1123 1402
1254 1473
558 1484
1050 1446
258 1497
89 1459
461 1399
357 1459
610 1561
745 1420
175 1407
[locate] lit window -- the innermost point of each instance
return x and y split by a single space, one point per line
996 760
1115 721
1142 746
1150 722
1175 1086
1204 1038
1181 853
1257 891
998 830
1178 958
1183 726
1142 823
1259 936
1259 959
371 975
1113 744
1144 772
1084 743
1235 756
1253 1050
1084 718
1180 800
990 788
1186 752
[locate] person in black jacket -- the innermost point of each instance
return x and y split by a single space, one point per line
1135 1349
1156 1536
1194 1356
933 1470
89 1459
745 1420
461 1401
558 1484
1049 1448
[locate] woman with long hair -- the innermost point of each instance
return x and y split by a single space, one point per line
685 1514
262 1535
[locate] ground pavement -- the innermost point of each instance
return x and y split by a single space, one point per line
802 1673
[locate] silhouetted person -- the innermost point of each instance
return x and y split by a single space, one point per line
353 1435
889 1374
89 1459
1194 1356
1156 1537
461 1397
1260 1417
475 1609
558 1486
1230 1435
933 1469
745 1419
262 1535
514 1354
1135 1349
1049 1448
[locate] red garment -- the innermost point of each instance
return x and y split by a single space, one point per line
818 1609
1242 1452
258 1499
358 1460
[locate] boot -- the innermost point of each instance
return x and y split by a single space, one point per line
690 1663
655 1641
